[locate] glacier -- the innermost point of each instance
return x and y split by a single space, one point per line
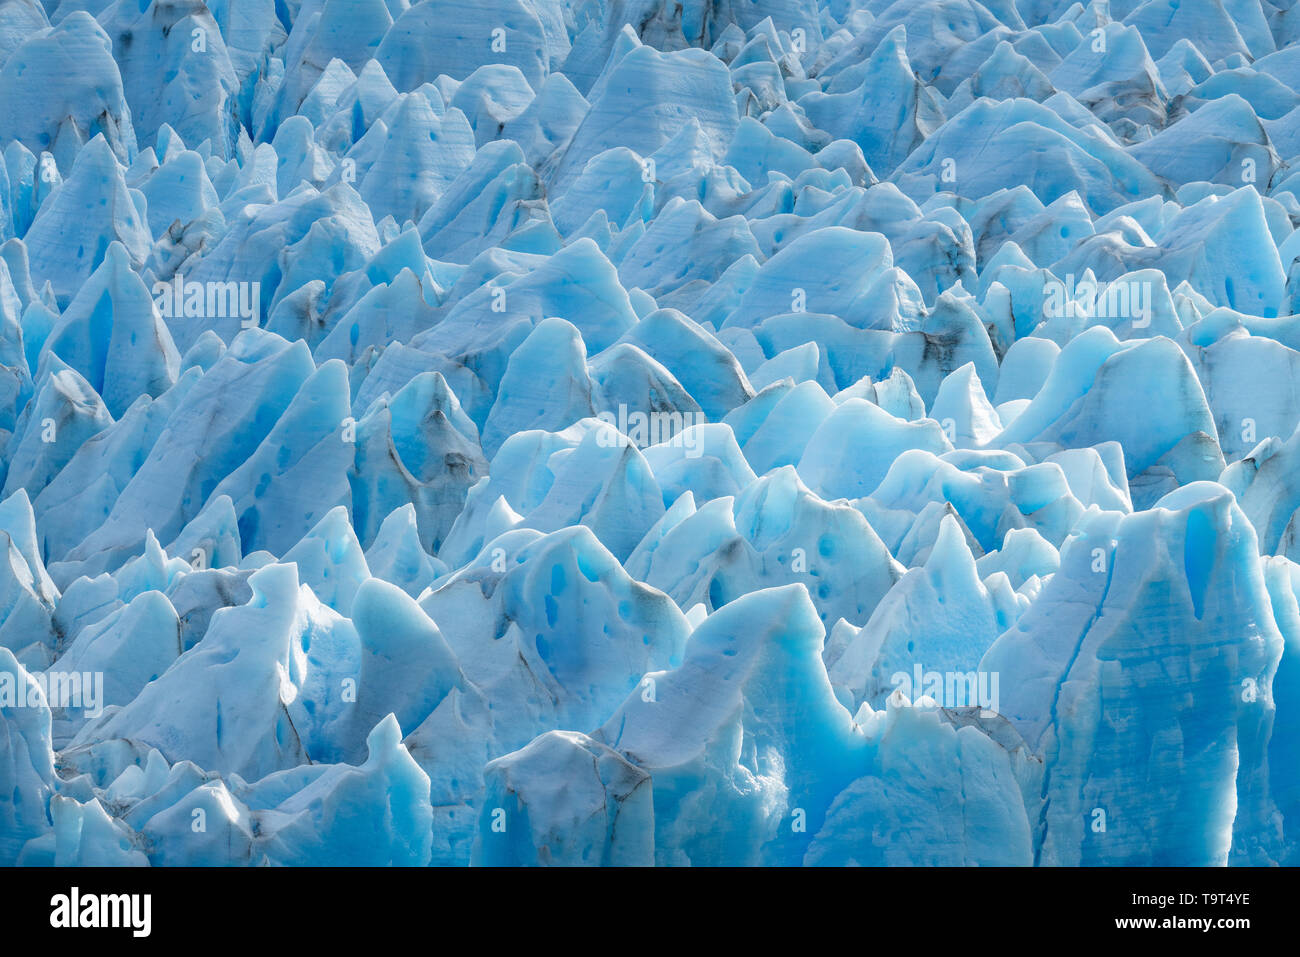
649 433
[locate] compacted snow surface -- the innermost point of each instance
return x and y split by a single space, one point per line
649 432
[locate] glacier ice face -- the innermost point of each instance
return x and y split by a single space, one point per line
535 433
